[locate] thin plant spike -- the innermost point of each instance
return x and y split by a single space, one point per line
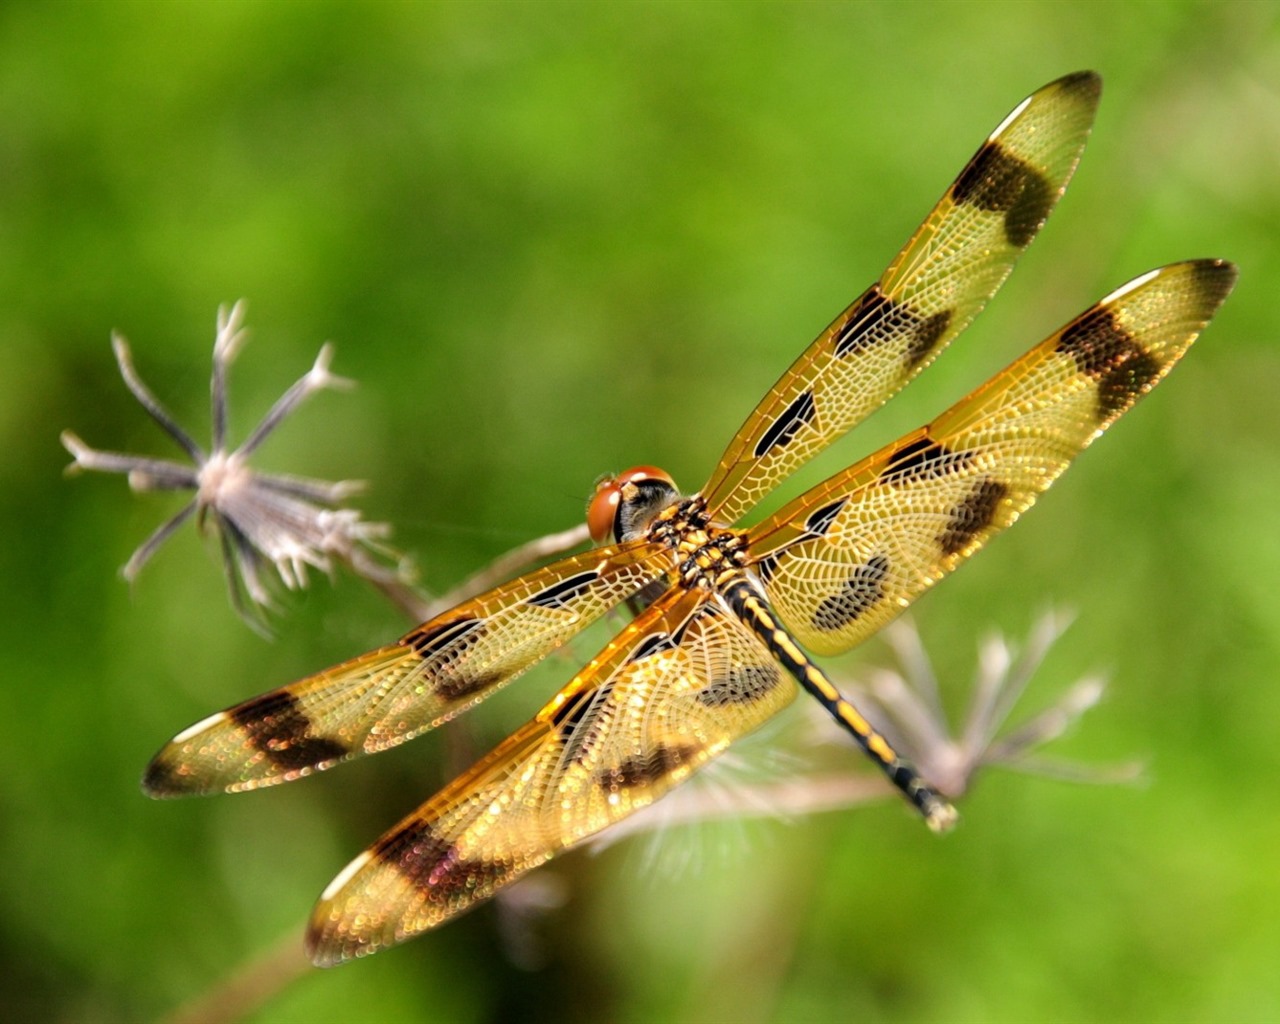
147 399
318 378
226 343
142 555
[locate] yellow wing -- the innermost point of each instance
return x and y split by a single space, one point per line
846 557
953 264
664 697
395 693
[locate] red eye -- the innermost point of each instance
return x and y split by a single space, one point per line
603 509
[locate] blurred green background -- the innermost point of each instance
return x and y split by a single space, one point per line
555 240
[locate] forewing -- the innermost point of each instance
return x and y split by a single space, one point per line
848 556
397 692
954 263
668 694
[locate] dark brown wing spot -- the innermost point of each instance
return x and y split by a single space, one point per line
654 643
862 324
163 778
560 594
786 426
1215 279
1122 384
875 319
579 731
922 459
863 590
925 335
743 684
453 636
435 867
1085 84
278 727
998 181
1096 342
569 714
646 769
820 522
457 685
972 516
444 645
1106 352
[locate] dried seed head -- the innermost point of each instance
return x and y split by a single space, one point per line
287 523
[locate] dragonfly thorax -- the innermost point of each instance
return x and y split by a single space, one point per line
706 554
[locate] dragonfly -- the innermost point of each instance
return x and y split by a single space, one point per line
725 617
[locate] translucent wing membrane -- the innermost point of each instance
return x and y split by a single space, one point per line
849 555
393 694
669 693
953 264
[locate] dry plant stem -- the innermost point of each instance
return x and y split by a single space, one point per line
415 607
251 987
501 569
505 566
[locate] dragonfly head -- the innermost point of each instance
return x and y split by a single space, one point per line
624 505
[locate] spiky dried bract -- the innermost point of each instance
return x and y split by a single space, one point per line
905 705
270 525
